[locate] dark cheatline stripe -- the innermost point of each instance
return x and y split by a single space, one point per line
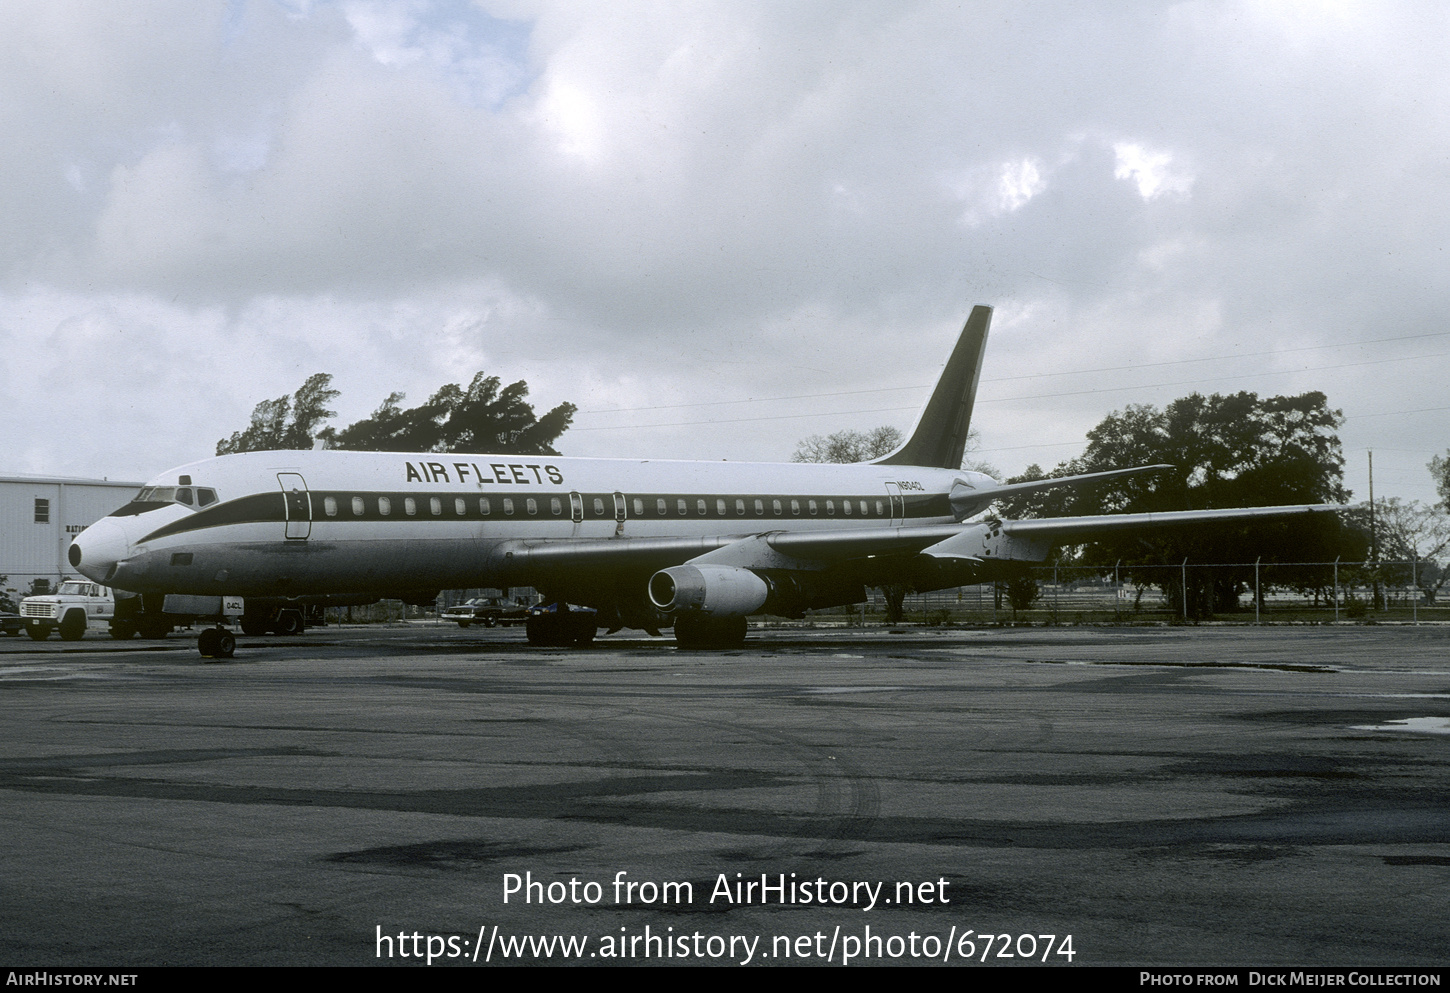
257 508
271 508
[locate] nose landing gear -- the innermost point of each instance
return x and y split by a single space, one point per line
216 643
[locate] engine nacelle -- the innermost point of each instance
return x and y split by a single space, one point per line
716 590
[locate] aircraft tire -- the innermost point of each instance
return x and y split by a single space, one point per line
710 632
584 630
73 626
226 644
288 622
38 632
206 643
550 631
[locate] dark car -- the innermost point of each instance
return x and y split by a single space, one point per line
488 611
10 622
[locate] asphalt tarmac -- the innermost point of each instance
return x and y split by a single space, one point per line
357 796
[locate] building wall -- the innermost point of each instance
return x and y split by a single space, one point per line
31 549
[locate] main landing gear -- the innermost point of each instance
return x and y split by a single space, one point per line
556 626
699 631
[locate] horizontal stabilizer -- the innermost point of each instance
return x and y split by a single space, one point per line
1076 530
967 501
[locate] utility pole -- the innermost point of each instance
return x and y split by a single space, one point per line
1374 546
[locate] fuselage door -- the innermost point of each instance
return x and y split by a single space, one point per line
298 503
619 507
576 507
898 504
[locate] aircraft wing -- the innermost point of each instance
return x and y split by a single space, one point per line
1022 540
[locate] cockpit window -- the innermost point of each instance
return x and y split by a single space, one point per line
186 495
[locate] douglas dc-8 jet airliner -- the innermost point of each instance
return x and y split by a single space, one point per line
648 544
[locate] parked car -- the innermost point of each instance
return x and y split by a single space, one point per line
488 611
10 622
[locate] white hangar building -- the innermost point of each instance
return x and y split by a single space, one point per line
39 515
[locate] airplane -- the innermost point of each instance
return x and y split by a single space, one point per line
637 543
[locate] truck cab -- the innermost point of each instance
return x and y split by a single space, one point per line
70 610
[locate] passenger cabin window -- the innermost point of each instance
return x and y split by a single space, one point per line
740 507
830 508
661 507
775 506
459 506
508 506
532 506
720 507
385 506
846 507
410 506
556 506
880 509
483 506
598 506
358 507
759 508
795 507
638 507
329 506
682 506
435 505
701 507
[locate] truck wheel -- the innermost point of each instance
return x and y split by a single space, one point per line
73 626
254 626
38 632
154 627
489 622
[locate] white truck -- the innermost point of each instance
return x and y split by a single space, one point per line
74 607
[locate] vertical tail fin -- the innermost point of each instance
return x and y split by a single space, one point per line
940 436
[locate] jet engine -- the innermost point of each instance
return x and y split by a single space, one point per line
716 590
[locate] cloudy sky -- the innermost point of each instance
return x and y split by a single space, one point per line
719 227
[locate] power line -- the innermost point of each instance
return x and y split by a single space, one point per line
1017 399
1037 375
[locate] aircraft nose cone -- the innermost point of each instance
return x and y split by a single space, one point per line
97 549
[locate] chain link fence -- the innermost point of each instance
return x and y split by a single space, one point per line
1187 593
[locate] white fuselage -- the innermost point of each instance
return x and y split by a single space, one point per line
295 523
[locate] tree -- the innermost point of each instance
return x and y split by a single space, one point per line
1228 451
1440 468
482 418
1411 539
271 430
1022 592
849 446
